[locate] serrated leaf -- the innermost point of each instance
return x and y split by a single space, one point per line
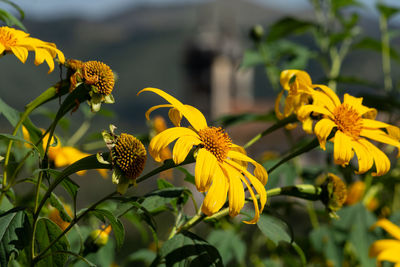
229 245
274 229
14 234
117 226
46 232
287 26
188 249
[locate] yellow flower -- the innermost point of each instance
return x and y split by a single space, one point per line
299 86
62 155
387 249
356 192
19 43
158 125
352 124
220 165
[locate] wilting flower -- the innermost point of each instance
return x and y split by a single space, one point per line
298 85
19 43
128 157
62 155
352 123
96 74
221 166
334 193
387 249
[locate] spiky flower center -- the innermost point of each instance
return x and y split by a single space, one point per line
7 37
216 141
130 155
100 75
348 120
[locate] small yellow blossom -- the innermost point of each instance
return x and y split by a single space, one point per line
298 85
218 171
351 124
54 215
19 43
387 249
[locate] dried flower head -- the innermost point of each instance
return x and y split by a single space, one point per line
128 157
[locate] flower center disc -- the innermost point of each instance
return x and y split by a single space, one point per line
100 75
216 141
130 155
7 38
348 120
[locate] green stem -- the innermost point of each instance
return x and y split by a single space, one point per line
279 124
385 40
311 145
312 215
79 133
73 222
51 93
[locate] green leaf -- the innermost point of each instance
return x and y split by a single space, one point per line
117 226
10 20
324 241
10 113
251 58
229 245
14 234
188 176
161 184
157 200
387 11
46 232
287 26
375 45
56 203
339 4
187 249
17 138
274 229
142 255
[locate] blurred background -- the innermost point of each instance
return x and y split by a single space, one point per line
194 50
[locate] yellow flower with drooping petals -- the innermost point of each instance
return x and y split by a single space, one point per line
219 170
298 85
351 124
19 43
387 249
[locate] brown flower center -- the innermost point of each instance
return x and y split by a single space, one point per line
100 75
130 155
216 141
7 38
348 120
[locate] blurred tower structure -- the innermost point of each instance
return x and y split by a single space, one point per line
212 58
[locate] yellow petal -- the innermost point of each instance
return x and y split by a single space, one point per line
389 227
382 163
236 193
328 91
373 124
307 125
391 255
240 149
206 168
164 138
365 159
278 113
2 48
380 136
20 52
103 172
356 103
382 245
196 119
259 171
182 147
342 149
175 116
150 110
304 112
216 196
302 77
322 130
